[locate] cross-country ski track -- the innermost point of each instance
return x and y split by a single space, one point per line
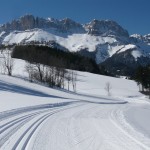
72 125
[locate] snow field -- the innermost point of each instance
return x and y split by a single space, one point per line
33 116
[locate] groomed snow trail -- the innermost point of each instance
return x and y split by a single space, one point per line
35 117
67 126
18 126
87 127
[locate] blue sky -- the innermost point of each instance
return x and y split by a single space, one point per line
133 15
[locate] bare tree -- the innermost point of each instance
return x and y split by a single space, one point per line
8 62
30 70
40 69
53 76
108 88
64 72
60 73
36 71
68 78
74 80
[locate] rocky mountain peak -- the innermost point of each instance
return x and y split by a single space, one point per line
137 38
28 22
147 37
23 23
71 26
105 28
95 27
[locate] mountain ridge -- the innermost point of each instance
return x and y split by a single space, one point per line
99 39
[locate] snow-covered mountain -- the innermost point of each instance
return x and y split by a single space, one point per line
101 38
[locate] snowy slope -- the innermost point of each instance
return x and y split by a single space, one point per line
73 42
36 117
104 47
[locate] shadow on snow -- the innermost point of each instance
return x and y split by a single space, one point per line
4 86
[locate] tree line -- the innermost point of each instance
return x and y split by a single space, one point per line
142 77
54 76
55 57
48 65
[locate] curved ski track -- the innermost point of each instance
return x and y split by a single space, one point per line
25 122
67 126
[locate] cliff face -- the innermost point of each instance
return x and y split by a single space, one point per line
30 22
105 28
95 27
24 23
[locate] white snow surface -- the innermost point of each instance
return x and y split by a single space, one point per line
136 54
103 46
2 33
72 42
35 117
126 47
